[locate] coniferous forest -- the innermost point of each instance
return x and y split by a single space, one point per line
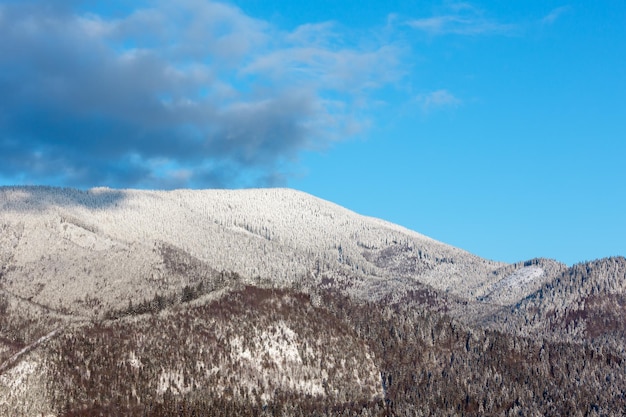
274 303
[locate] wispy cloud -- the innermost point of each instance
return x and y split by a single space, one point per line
436 100
555 14
192 93
461 19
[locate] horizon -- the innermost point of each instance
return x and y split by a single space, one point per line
497 129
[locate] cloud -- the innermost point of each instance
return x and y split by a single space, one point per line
551 17
461 19
437 100
186 94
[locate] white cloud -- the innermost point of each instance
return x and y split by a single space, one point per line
554 15
346 69
438 99
313 34
462 19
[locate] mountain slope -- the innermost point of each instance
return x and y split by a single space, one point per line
274 302
263 342
521 279
586 302
99 240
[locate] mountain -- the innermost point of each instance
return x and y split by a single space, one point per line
586 302
277 234
272 301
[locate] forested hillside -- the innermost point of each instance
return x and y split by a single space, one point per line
585 303
273 302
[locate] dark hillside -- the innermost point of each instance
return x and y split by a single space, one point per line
434 366
252 348
424 363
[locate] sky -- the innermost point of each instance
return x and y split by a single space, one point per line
495 126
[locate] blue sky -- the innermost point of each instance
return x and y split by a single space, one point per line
495 126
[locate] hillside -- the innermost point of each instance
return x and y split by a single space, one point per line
586 302
111 246
275 302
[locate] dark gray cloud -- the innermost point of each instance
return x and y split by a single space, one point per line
189 93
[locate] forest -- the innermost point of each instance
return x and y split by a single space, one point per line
275 303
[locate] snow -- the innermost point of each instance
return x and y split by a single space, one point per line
276 234
17 375
134 361
279 345
174 381
521 277
66 246
516 285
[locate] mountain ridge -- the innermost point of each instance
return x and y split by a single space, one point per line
328 236
301 284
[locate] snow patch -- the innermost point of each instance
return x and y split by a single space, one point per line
521 277
16 376
134 361
281 344
516 285
174 381
85 238
275 350
278 342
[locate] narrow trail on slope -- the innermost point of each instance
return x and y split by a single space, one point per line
13 359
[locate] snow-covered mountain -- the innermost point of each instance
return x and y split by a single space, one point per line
63 248
245 302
